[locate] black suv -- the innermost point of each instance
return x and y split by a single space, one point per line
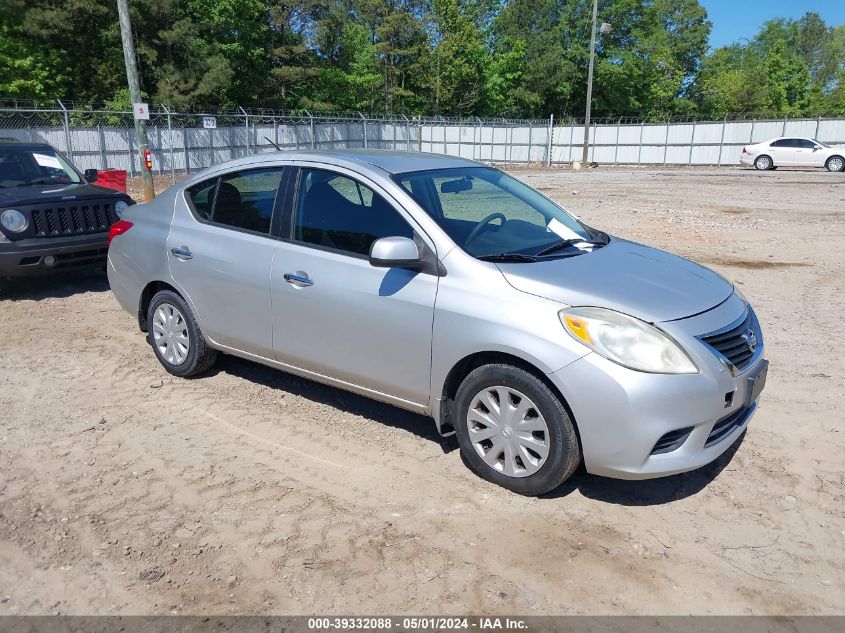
51 218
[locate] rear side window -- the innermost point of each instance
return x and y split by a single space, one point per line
201 196
784 142
245 199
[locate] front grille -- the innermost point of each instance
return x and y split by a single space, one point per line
77 219
737 343
725 426
671 441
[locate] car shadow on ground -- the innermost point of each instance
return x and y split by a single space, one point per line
53 286
348 402
616 491
645 492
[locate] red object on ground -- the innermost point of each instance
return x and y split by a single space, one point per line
113 179
119 228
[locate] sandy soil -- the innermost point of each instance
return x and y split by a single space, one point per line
125 490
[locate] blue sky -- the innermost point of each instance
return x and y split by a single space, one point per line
734 19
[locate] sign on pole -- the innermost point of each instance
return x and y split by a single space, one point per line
141 111
209 122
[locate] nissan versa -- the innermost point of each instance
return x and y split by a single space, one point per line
448 288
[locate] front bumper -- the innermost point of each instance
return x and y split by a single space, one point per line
623 415
44 256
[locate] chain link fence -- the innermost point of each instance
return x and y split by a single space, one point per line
182 142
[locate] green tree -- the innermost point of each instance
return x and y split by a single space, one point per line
76 43
545 85
729 81
457 63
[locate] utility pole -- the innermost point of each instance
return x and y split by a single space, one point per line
605 28
135 94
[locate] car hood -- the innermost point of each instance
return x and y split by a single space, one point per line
41 193
644 282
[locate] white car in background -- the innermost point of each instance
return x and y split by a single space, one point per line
793 152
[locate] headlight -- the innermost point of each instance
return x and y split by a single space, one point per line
13 220
119 207
627 341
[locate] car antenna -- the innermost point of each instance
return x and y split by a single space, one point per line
273 144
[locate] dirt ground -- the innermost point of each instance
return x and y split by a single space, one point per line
252 491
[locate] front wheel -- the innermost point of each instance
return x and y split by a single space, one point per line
763 163
835 163
175 336
514 431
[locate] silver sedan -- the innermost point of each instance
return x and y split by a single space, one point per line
451 289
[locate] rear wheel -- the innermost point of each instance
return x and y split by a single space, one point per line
835 163
763 163
175 336
514 431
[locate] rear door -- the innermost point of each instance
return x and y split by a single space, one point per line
221 254
782 152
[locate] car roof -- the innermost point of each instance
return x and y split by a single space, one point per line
6 143
389 161
781 138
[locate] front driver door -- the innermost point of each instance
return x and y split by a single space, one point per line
336 315
806 154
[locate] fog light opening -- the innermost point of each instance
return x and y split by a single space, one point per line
49 260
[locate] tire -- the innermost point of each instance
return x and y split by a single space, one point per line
763 163
184 353
516 465
835 163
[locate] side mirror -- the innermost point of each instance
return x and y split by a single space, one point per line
91 175
816 148
395 252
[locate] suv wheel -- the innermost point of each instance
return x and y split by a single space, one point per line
763 163
835 163
175 336
514 431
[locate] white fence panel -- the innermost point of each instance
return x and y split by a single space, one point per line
178 141
654 134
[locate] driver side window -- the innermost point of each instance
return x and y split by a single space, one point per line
340 213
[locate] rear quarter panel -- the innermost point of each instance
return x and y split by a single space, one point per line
138 257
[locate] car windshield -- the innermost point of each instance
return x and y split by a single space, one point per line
488 213
817 142
24 167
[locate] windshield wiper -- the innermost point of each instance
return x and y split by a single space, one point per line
566 244
507 257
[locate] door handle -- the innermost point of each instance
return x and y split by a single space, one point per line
298 279
181 253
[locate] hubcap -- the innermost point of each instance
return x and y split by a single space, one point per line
764 163
170 334
836 164
508 431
